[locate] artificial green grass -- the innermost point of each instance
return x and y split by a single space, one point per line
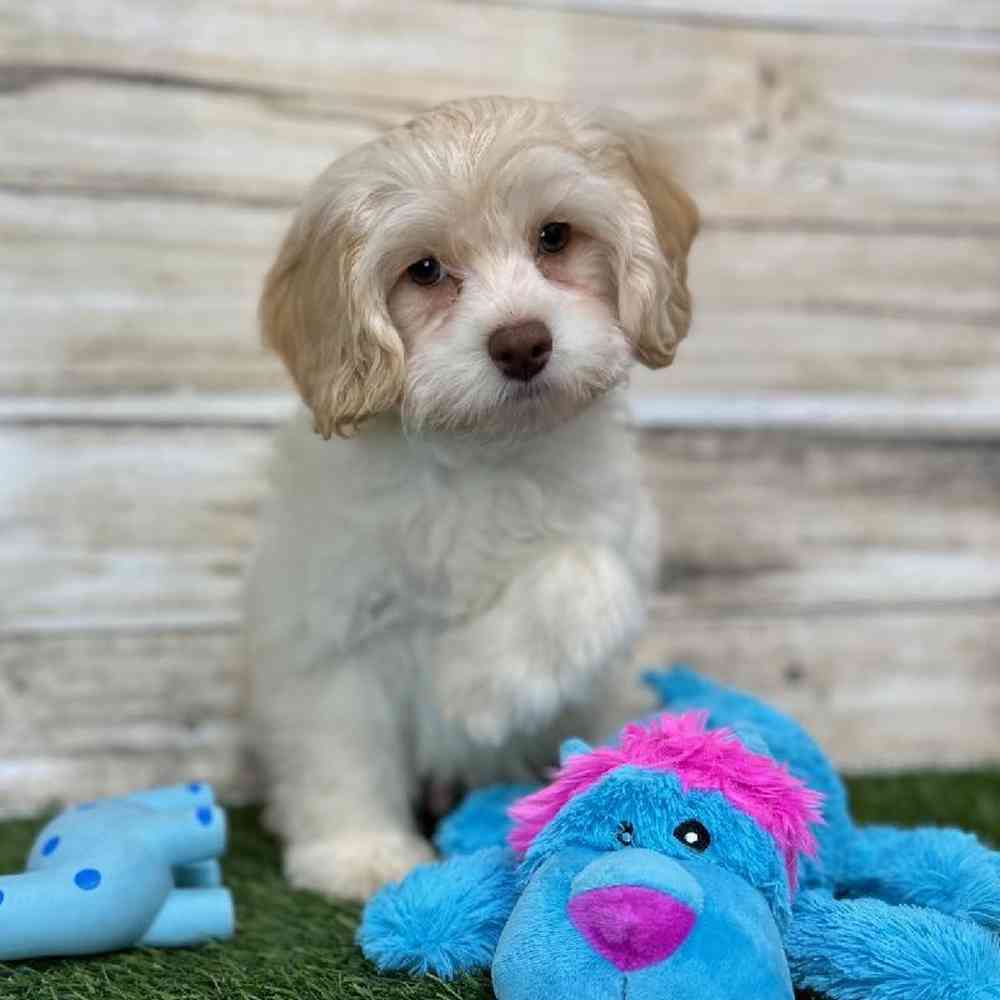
297 946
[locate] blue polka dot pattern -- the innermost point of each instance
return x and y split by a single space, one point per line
49 846
195 787
87 879
1 895
204 815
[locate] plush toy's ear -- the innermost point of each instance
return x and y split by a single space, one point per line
572 748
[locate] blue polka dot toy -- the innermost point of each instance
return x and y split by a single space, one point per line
138 870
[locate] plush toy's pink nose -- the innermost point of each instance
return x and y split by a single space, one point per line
630 925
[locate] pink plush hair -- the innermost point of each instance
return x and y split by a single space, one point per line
703 759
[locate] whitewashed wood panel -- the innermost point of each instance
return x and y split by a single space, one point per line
845 157
136 294
89 714
881 691
101 714
908 17
113 527
929 420
780 124
758 520
852 162
116 527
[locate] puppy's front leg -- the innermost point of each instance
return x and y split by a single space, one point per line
342 778
537 649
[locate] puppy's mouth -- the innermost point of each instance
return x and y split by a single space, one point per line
515 391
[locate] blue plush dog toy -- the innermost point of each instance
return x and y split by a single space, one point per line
708 853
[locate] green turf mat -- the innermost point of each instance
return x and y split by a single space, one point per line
296 946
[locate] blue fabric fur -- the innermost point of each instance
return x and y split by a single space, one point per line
681 689
479 821
888 914
940 869
883 913
654 804
734 951
448 918
866 949
443 918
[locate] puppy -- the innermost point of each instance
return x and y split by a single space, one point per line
446 592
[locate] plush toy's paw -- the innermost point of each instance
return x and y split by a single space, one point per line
866 949
937 868
354 865
443 918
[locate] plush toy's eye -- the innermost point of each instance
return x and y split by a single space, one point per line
626 833
553 237
426 271
692 834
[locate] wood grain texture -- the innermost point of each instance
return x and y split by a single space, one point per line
882 690
102 714
90 714
234 100
143 294
905 17
930 420
845 563
755 521
115 527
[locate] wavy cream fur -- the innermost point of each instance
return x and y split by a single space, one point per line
447 594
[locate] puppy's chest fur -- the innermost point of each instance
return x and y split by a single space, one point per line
379 547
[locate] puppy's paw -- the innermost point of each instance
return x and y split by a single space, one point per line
354 865
508 711
501 700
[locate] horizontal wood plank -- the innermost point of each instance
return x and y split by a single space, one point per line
231 100
134 295
90 715
103 526
881 691
758 520
877 416
845 563
907 17
85 715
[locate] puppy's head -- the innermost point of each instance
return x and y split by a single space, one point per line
494 264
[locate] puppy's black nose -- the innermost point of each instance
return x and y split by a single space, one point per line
521 351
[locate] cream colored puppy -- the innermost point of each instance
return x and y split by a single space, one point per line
444 594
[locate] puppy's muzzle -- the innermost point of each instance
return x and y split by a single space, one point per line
521 351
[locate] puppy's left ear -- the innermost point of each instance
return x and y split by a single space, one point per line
662 220
326 319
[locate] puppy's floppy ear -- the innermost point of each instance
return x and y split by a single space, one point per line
330 325
662 221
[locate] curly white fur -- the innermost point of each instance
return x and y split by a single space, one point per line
444 595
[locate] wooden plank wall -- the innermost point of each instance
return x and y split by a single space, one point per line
826 450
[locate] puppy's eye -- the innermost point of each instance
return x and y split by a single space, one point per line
626 833
553 237
426 271
692 834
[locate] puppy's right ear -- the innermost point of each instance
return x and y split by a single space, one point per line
330 325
